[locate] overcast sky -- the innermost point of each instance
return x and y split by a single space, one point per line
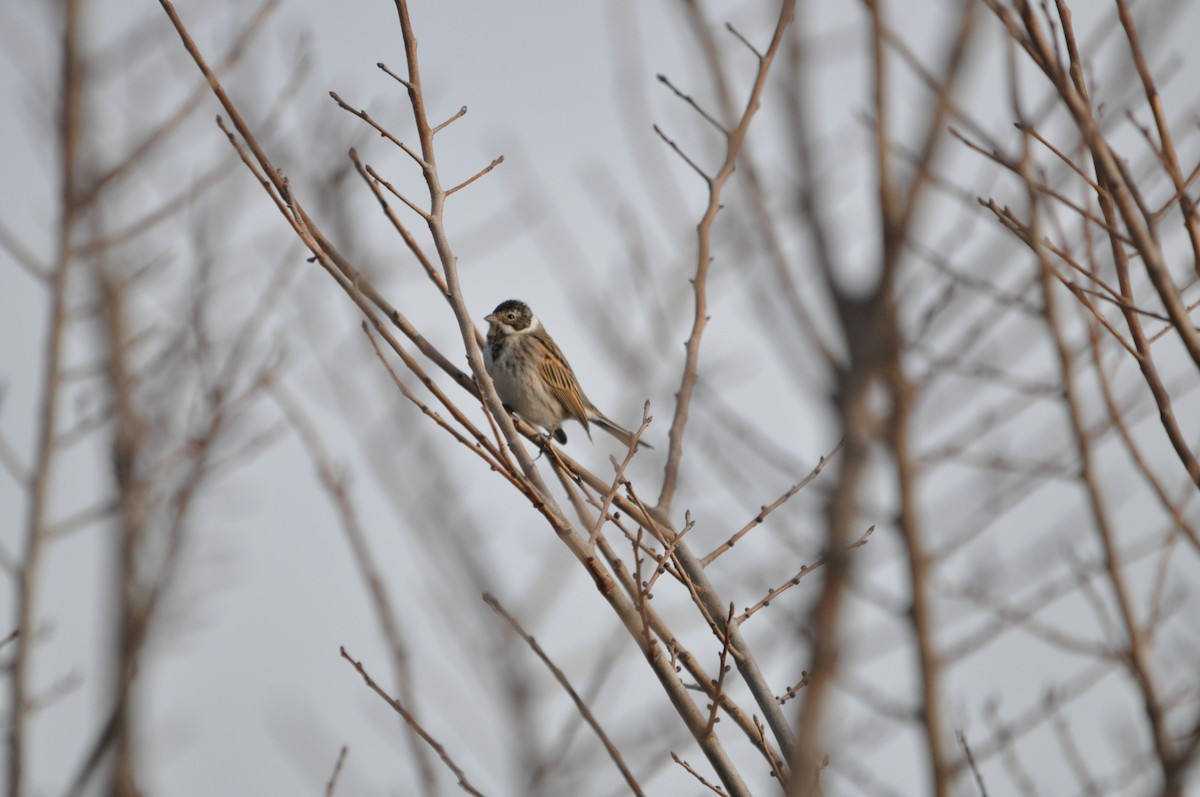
246 693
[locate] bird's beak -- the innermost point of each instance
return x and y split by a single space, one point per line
489 318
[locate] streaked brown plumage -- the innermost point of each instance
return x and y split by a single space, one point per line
533 376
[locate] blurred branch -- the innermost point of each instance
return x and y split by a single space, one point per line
174 121
70 129
10 460
970 757
412 723
337 770
128 456
1136 653
11 244
1068 82
559 676
356 538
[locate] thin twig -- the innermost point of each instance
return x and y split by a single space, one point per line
477 175
10 460
737 34
666 81
23 257
678 151
356 539
413 206
722 669
766 510
409 239
460 114
561 677
412 723
337 770
387 71
619 477
366 117
696 775
775 592
733 148
970 757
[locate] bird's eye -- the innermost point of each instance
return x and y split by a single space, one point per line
511 316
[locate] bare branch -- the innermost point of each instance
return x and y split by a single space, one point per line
460 114
561 677
688 767
695 167
413 206
24 258
738 35
666 81
69 137
366 117
382 66
337 770
775 592
962 742
722 669
412 723
619 478
733 148
766 510
477 175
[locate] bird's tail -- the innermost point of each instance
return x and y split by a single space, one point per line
617 431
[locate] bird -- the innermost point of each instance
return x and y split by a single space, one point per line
534 379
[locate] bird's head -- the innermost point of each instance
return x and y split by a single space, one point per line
512 318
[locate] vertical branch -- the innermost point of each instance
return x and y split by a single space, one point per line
70 123
127 443
436 222
1141 227
1168 157
1136 654
872 328
807 755
1145 357
734 142
625 610
919 577
871 333
889 199
898 214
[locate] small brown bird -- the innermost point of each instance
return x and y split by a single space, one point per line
533 377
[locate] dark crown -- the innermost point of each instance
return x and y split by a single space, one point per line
519 310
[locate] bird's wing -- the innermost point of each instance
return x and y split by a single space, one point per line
561 379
